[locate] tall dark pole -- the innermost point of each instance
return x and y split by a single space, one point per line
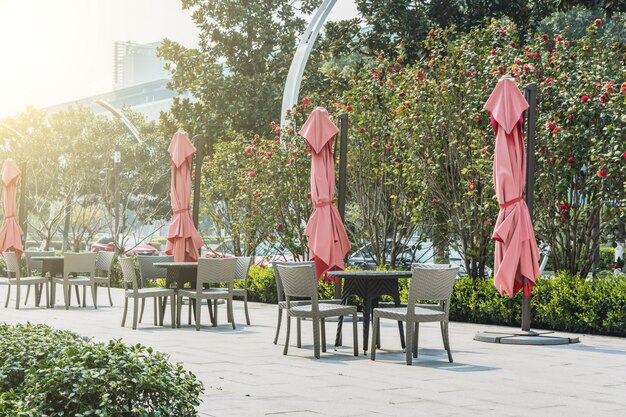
117 159
200 144
343 175
530 93
23 212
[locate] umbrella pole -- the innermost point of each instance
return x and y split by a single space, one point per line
341 190
530 93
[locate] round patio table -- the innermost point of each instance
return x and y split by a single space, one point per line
369 285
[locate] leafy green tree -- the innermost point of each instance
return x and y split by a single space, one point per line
236 73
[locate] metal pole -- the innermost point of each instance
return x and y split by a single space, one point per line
530 93
200 145
116 177
23 213
343 164
343 174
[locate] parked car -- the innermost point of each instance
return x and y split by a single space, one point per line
132 246
266 254
415 252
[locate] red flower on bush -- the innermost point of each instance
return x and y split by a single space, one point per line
584 98
558 38
501 69
598 22
306 100
601 173
550 125
604 98
362 130
549 80
348 108
420 75
363 97
244 189
435 201
571 160
623 89
249 149
251 174
493 52
563 207
609 87
546 37
563 217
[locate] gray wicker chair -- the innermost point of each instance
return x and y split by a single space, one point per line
136 293
282 304
75 263
149 272
212 271
15 279
35 267
104 262
430 282
300 281
243 267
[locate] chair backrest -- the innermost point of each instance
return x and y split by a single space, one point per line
432 282
216 270
298 280
104 261
79 263
147 270
128 272
13 266
31 264
242 269
279 284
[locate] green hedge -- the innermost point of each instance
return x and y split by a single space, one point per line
48 372
562 303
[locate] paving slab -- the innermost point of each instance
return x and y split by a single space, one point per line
245 374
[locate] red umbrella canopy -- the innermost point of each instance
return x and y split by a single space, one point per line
328 240
183 239
11 232
517 254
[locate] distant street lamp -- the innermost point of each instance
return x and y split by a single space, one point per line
117 159
23 212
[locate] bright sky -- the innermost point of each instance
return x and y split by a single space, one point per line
60 50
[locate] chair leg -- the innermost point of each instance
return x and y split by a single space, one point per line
27 294
409 343
416 336
125 311
209 305
280 318
53 293
191 306
446 339
215 313
173 311
198 313
355 335
316 337
179 309
94 295
47 294
67 293
162 306
287 334
17 297
84 293
143 304
245 307
323 330
229 302
298 332
9 295
135 312
154 308
375 326
109 289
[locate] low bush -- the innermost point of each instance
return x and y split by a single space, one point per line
48 372
563 303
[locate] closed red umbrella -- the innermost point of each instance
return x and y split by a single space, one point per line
11 232
183 239
328 241
517 254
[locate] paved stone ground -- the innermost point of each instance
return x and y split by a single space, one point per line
245 374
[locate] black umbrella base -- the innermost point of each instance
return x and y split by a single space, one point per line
524 338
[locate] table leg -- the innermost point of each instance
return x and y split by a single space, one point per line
396 300
367 308
344 301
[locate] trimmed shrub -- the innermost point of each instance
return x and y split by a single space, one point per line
562 303
58 373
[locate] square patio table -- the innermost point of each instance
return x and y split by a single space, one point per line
369 285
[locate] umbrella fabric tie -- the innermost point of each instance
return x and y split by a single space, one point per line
181 210
322 204
510 202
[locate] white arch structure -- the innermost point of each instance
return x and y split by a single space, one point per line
300 58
